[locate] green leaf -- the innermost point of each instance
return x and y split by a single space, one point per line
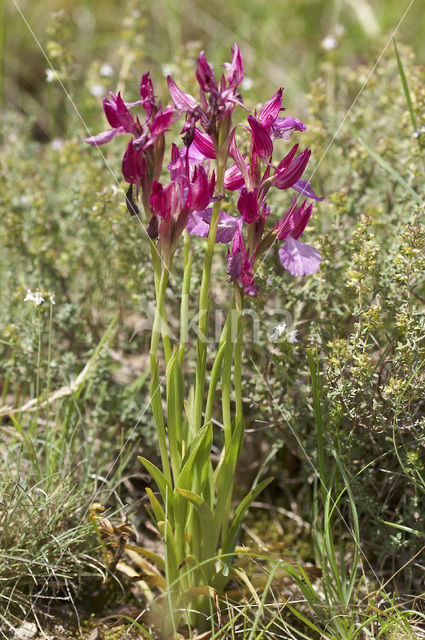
157 509
155 394
162 483
171 561
202 508
189 408
174 413
147 553
197 455
207 545
232 536
224 476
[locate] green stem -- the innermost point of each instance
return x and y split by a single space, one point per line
184 306
155 384
215 372
38 377
204 298
158 328
320 437
203 319
238 354
226 380
160 296
49 377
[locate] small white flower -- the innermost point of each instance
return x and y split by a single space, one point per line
52 298
51 75
292 337
278 331
329 43
38 298
97 90
283 329
106 70
56 144
114 189
35 297
339 30
246 84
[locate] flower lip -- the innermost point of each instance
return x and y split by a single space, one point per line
298 258
305 189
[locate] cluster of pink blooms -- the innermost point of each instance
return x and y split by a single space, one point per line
186 202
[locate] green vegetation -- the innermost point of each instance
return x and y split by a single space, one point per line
337 540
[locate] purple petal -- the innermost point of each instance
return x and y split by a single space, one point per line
204 144
147 94
226 228
104 137
306 190
233 179
287 177
285 127
298 258
294 221
194 157
133 164
161 121
199 224
123 116
199 189
183 101
196 225
248 205
205 75
239 162
262 143
269 112
234 265
235 68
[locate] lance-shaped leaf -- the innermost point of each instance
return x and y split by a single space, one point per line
174 413
156 403
233 534
147 553
157 508
208 525
197 455
163 484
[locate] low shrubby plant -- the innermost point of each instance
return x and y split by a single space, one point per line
362 320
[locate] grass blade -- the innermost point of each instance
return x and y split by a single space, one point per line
389 169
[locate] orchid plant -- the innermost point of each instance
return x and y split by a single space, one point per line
193 512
